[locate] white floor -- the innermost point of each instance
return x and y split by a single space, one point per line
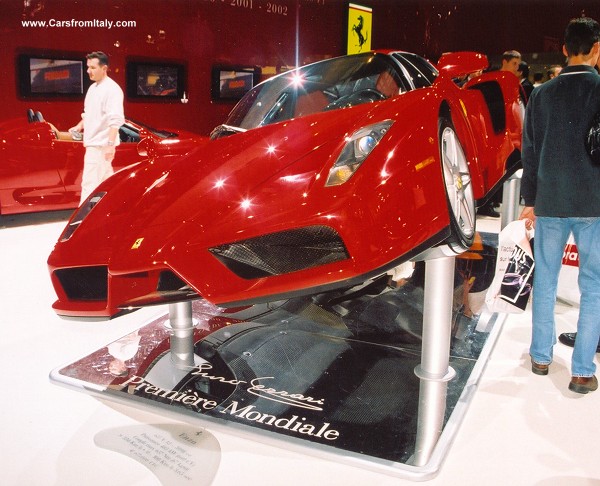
520 429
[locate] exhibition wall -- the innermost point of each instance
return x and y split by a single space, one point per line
196 34
188 38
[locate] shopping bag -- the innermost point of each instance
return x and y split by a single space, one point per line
510 289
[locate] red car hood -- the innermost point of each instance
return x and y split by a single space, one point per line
207 187
170 213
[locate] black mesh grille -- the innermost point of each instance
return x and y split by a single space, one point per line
168 281
84 283
283 252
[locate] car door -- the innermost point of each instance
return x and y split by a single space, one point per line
29 170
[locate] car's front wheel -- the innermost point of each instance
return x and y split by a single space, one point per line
459 190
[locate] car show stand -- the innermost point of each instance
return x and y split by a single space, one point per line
379 376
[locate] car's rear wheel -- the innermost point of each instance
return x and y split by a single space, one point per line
459 189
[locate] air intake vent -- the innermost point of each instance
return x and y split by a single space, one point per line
84 283
168 281
283 252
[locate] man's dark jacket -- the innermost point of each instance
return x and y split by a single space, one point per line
559 178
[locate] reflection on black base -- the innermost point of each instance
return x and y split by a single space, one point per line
336 370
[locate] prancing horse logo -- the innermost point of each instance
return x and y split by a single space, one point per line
358 30
137 243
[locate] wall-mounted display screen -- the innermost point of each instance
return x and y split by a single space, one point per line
233 82
155 80
41 76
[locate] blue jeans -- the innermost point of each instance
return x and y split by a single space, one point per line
551 235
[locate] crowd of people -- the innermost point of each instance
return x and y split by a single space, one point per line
560 189
513 62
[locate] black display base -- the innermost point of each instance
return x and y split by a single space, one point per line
332 374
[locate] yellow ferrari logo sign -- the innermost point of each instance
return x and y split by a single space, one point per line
360 21
137 243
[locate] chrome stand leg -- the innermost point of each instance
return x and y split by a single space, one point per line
182 337
511 199
434 370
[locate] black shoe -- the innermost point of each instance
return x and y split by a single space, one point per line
568 339
583 384
488 210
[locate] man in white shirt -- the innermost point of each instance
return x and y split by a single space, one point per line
100 122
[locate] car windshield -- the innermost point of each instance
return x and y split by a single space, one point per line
159 133
327 85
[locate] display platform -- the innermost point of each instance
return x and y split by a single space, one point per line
333 374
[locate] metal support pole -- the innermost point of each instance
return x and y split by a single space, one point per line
511 199
182 336
434 370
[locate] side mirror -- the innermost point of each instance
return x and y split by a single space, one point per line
457 64
146 147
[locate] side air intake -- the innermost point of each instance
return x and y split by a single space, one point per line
84 283
282 252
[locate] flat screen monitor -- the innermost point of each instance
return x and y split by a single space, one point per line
233 82
45 76
158 80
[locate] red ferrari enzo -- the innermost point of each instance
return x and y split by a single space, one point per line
41 167
321 178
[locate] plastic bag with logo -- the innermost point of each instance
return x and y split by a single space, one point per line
513 279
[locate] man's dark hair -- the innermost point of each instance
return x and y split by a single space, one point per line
580 36
102 58
524 69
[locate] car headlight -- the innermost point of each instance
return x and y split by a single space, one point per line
80 215
357 149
